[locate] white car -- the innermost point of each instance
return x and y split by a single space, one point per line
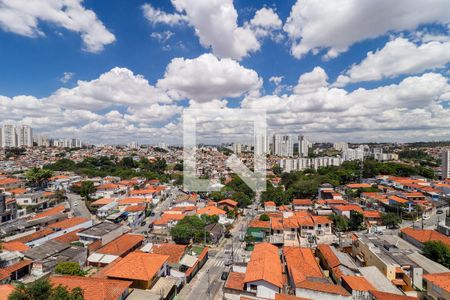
75 204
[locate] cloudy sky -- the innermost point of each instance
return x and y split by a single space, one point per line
116 71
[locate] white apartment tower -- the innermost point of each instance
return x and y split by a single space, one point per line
237 148
340 146
24 136
445 163
283 145
261 145
303 146
8 136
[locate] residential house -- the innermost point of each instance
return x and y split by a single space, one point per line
142 269
119 247
419 236
270 206
263 275
95 288
302 204
438 285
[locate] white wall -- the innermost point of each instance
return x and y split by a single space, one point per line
319 295
264 289
56 234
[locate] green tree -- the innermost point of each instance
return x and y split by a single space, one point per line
86 189
42 289
340 223
264 217
242 199
391 220
192 227
277 170
356 220
438 252
69 268
38 177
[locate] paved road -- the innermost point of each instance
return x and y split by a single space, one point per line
430 223
212 270
162 206
79 210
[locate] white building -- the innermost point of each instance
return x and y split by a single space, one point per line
237 148
283 145
24 136
8 136
340 146
353 154
303 146
299 164
445 167
261 145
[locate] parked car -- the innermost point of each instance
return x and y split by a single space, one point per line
143 223
228 263
224 275
439 211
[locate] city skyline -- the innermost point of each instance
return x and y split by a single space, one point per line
113 79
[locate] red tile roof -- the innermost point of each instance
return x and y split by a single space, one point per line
265 265
69 237
68 223
5 291
229 202
102 201
441 280
301 264
174 251
122 244
235 281
14 246
211 211
135 208
358 283
328 254
35 235
323 287
306 202
259 224
358 185
389 296
138 266
94 288
49 212
425 235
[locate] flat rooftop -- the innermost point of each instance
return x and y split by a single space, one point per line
99 229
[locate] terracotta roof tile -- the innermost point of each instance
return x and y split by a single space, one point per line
138 266
302 202
235 281
441 280
425 235
122 244
328 254
211 211
5 291
35 235
358 283
135 208
377 295
174 251
289 297
69 237
264 265
68 223
14 246
49 212
94 288
323 287
102 201
301 264
229 202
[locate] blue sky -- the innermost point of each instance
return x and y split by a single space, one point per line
131 67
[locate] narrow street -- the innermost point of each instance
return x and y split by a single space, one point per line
78 206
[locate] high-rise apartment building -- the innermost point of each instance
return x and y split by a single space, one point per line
353 154
445 167
283 145
303 146
261 145
8 136
24 136
237 148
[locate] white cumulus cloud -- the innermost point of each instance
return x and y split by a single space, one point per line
23 17
314 25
